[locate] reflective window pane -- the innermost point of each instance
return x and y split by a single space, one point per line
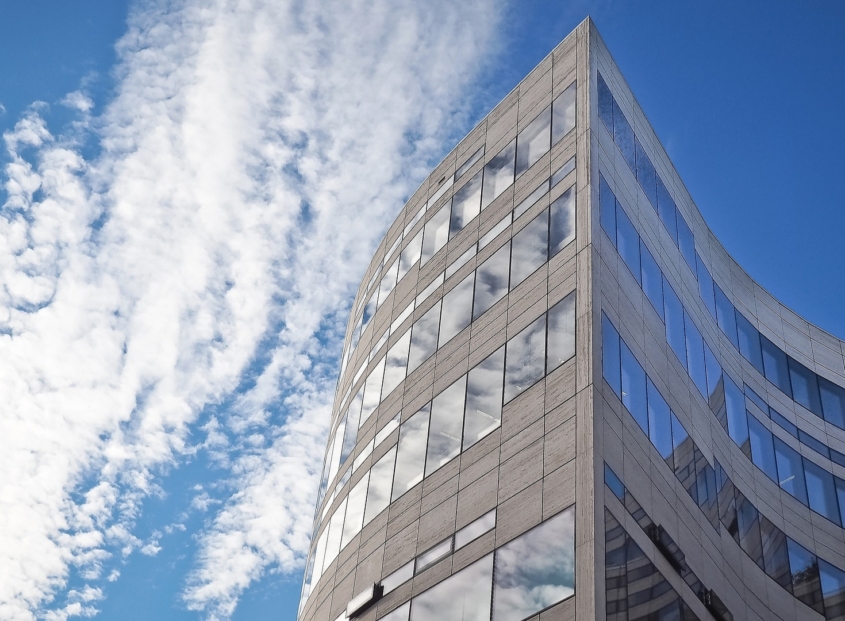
355 510
634 388
474 530
623 136
464 596
388 282
775 365
646 175
466 204
652 279
372 391
484 398
525 358
749 341
737 417
498 174
821 492
659 423
562 225
381 480
725 315
396 363
529 248
351 432
534 141
805 386
535 570
436 234
790 471
714 373
683 454
806 582
605 104
398 577
563 113
762 448
607 206
686 242
674 317
434 554
447 419
610 355
401 613
468 164
410 255
491 280
424 337
561 337
833 402
705 286
666 210
410 456
457 310
833 590
561 173
775 557
748 520
695 355
628 242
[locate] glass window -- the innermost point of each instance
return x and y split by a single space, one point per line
534 141
372 391
468 164
435 234
410 456
727 502
529 248
491 281
397 363
782 422
684 457
562 227
833 402
762 449
493 233
445 184
714 373
821 491
790 471
466 204
748 520
816 445
623 136
667 210
646 175
464 596
705 286
474 530
536 569
498 174
447 421
634 388
806 583
434 554
529 201
484 398
652 279
388 282
695 355
424 337
560 174
525 358
610 355
410 255
561 337
775 365
398 577
749 341
457 310
381 480
401 613
605 104
350 434
725 315
833 590
628 242
775 557
355 510
614 483
456 264
369 309
659 423
805 386
686 242
737 417
674 317
563 113
607 205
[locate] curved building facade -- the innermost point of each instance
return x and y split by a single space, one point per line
561 398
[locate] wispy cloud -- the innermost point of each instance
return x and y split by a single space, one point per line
252 155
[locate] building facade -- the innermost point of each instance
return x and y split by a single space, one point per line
561 398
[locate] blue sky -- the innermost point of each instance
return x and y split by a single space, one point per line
175 209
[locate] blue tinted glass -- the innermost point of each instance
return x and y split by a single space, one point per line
804 567
659 422
821 492
652 279
714 372
610 355
695 355
816 445
805 386
607 202
836 457
757 399
840 493
762 449
674 317
775 365
749 341
562 223
748 521
614 483
623 136
833 402
725 315
737 418
705 285
833 590
790 471
627 242
646 175
667 210
634 388
686 242
605 104
782 422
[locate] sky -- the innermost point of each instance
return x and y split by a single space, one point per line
191 191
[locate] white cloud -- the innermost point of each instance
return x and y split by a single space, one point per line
251 157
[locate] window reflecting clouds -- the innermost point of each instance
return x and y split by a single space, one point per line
529 248
381 479
396 363
533 142
484 398
525 358
498 174
562 227
466 204
457 310
492 280
436 234
561 338
464 596
410 255
563 113
372 391
410 458
424 337
355 510
444 434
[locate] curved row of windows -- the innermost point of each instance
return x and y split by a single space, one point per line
532 142
449 424
528 250
822 492
809 578
817 394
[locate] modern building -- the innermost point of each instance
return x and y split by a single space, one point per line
561 398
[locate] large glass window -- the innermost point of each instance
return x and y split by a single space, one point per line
464 596
806 582
705 286
605 104
484 398
372 391
628 242
535 570
821 491
623 136
634 388
562 227
686 242
410 456
749 342
610 358
457 310
695 355
762 449
436 234
410 255
396 363
424 337
667 210
491 281
447 417
737 416
533 141
529 248
775 365
805 386
748 520
833 590
381 480
790 471
652 279
350 434
607 206
498 174
563 113
833 402
659 423
646 175
465 204
674 317
725 315
525 358
355 510
388 282
775 557
561 336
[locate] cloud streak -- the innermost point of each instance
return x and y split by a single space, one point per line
251 156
